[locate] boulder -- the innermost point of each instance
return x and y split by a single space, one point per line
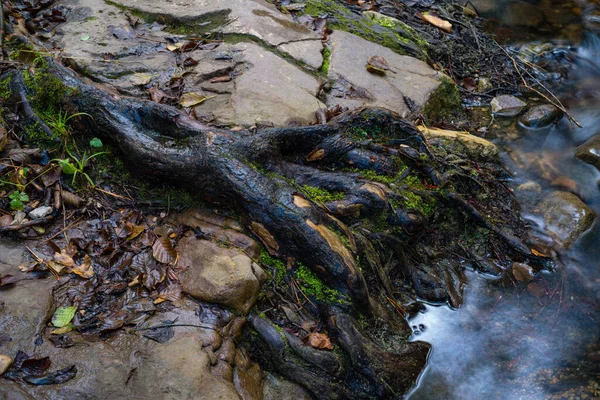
275 388
540 116
218 275
589 152
566 217
507 106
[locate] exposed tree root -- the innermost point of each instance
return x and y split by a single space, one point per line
265 175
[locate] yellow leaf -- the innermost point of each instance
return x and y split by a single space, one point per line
192 99
84 270
134 230
63 330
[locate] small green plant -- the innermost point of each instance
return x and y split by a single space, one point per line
78 166
17 200
59 122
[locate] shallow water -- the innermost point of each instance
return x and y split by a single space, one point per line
538 340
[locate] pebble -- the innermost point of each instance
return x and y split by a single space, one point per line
40 212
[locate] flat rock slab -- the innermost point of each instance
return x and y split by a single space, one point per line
409 77
266 71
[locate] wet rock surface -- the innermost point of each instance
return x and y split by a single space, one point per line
540 116
507 105
566 217
590 151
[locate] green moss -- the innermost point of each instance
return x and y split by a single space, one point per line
321 195
413 201
278 265
407 32
312 286
341 18
326 60
5 91
444 104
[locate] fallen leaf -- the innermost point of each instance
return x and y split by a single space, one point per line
140 79
379 63
64 258
133 230
537 253
5 362
316 155
61 331
536 289
522 272
437 22
85 38
84 270
192 99
220 79
163 251
319 341
63 316
174 47
54 378
35 366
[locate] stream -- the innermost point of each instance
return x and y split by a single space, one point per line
539 340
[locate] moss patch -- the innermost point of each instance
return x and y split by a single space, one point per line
312 286
276 264
321 195
444 104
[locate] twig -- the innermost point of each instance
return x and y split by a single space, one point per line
203 326
556 102
39 221
64 229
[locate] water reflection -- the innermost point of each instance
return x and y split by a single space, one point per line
537 339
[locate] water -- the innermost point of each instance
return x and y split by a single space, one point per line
537 340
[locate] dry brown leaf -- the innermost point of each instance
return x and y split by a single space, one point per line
84 270
522 272
163 250
133 230
192 99
220 79
437 22
537 253
64 258
319 341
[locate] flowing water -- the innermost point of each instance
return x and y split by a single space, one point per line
537 340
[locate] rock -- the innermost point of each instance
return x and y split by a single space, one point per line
410 77
27 304
507 106
178 370
589 152
276 388
40 212
540 116
217 275
474 146
307 51
270 90
6 220
566 217
5 362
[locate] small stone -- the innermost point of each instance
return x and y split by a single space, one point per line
541 116
589 152
484 84
6 220
40 212
507 105
530 186
19 218
5 362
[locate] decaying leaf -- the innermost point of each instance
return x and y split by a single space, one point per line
378 63
35 366
163 251
220 79
84 270
537 253
133 230
522 272
319 341
140 78
174 47
536 289
437 22
63 316
192 99
64 258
